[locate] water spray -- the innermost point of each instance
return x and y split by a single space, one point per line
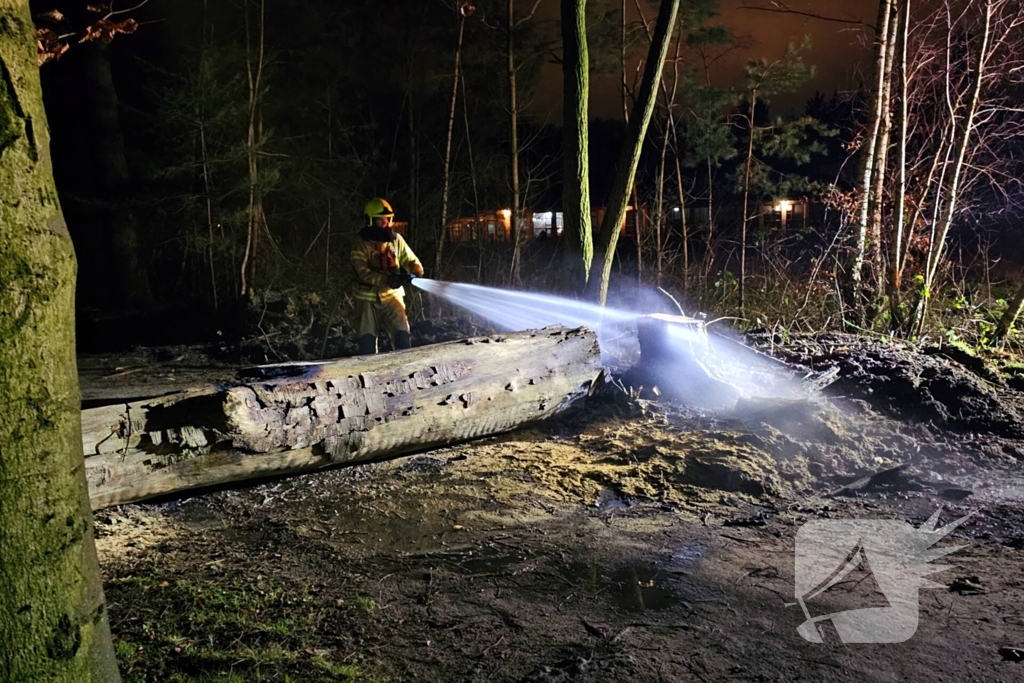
515 310
677 353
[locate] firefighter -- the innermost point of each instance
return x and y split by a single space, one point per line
383 263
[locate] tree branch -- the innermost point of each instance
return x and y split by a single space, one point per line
781 8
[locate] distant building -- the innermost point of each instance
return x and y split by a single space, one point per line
496 225
777 214
784 214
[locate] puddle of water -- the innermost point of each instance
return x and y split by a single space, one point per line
633 588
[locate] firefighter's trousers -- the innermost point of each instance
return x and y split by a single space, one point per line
384 316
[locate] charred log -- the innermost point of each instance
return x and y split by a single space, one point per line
299 417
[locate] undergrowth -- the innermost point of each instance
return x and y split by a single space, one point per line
209 629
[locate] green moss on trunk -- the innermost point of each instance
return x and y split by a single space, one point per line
629 155
575 144
53 622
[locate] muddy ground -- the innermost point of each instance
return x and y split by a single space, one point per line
630 541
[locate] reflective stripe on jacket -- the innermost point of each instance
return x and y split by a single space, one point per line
373 261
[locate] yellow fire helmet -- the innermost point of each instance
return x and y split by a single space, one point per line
378 208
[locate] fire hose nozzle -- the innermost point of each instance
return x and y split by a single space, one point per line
400 279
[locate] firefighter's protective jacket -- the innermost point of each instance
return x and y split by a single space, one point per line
374 261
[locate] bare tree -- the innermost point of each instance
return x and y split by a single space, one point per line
957 71
901 163
967 124
254 72
870 169
629 157
465 10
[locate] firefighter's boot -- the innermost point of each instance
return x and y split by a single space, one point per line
367 344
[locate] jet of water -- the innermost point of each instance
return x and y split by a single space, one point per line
515 310
524 310
729 361
616 329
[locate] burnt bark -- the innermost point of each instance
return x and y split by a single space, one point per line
307 416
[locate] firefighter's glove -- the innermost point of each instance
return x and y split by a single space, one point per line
396 280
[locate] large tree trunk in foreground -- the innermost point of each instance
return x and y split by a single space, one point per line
53 621
350 410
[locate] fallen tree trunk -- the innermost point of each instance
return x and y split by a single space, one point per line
299 417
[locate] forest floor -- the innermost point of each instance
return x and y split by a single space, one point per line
629 541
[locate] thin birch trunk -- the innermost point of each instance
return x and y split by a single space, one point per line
443 228
630 155
204 161
870 146
514 144
682 218
330 156
625 119
880 169
255 84
414 162
708 255
659 203
670 127
746 200
938 247
901 192
207 185
472 180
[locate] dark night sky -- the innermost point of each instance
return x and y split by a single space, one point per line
837 50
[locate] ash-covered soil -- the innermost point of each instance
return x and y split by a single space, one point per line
631 541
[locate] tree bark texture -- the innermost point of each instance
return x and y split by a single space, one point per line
53 620
629 157
350 410
870 146
874 231
442 232
577 230
256 216
896 269
746 199
937 246
513 114
1009 316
